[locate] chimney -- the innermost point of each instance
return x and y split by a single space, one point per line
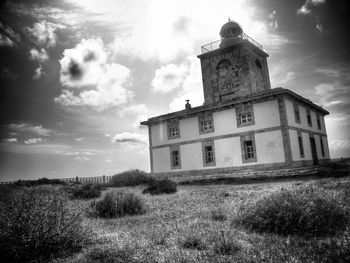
188 105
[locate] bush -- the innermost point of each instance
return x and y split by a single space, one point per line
37 223
165 186
118 204
110 255
41 181
193 242
87 191
307 210
131 178
224 245
218 214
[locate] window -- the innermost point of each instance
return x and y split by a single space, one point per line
173 129
206 123
224 67
318 122
258 64
301 147
175 157
208 153
248 148
308 116
245 115
296 113
246 118
322 147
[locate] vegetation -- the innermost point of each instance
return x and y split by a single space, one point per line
37 223
305 210
86 191
131 178
118 204
41 181
218 214
164 186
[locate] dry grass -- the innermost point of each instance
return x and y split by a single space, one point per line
187 227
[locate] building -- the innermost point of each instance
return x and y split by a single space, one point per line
243 123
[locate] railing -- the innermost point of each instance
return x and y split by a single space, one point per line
216 44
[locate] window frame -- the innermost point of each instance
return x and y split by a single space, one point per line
318 120
205 145
242 112
309 118
322 147
175 149
205 119
296 113
249 153
173 125
301 145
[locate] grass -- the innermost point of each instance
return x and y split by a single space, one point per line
158 187
187 226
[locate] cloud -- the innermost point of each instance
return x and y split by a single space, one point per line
308 6
33 141
273 21
38 55
339 144
136 124
79 153
43 33
329 72
8 37
12 140
127 137
133 110
30 128
38 73
86 66
169 77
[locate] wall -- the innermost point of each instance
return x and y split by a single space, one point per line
266 115
269 149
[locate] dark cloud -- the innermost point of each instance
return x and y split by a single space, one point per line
89 56
74 70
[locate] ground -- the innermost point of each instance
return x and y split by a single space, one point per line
181 227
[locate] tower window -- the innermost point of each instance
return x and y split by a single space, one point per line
246 118
308 116
175 157
258 64
208 153
223 67
173 129
206 123
296 113
301 146
248 148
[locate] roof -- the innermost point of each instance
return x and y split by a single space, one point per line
229 104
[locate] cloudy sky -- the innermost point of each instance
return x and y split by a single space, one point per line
77 76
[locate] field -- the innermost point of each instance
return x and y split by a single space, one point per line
196 225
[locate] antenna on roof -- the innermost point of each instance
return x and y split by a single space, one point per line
229 20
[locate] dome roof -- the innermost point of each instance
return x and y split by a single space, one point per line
230 29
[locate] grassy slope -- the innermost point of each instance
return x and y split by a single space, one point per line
158 235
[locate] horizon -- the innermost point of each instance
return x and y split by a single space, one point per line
77 77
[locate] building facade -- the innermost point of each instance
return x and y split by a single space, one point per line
243 123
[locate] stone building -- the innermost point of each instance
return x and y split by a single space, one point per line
243 123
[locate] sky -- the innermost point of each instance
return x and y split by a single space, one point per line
78 76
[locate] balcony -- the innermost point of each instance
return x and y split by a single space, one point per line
216 44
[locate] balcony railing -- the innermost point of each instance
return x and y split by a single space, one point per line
216 44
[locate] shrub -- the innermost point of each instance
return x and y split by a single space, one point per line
41 181
193 242
131 178
87 191
305 210
37 223
165 186
109 255
118 204
218 215
226 246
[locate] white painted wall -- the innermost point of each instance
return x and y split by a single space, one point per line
269 147
191 156
228 152
303 119
161 160
266 115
